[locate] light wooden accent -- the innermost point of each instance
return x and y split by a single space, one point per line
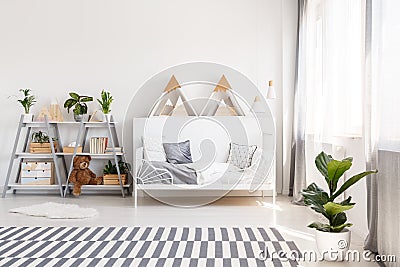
43 113
271 83
222 85
172 84
55 112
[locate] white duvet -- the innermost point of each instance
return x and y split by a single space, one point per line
223 173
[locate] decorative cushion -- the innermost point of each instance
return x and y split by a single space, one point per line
241 155
178 153
153 149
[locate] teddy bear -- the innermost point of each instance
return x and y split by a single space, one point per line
81 174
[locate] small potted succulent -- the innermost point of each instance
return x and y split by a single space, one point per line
332 234
27 102
111 174
105 104
78 102
41 143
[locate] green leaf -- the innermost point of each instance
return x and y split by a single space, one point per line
338 219
339 228
347 202
350 182
320 226
74 96
315 197
86 99
335 208
321 161
335 170
69 103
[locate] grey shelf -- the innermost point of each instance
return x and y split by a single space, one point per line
56 156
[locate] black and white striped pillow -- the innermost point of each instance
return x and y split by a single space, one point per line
241 155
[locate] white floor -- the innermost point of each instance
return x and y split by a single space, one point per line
291 220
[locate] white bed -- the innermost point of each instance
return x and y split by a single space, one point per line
213 171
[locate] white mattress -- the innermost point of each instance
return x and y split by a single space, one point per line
223 173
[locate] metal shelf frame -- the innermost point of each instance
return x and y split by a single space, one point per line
57 156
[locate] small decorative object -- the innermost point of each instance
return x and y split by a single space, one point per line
96 116
43 113
41 143
271 90
27 102
257 105
55 112
105 104
71 148
79 104
82 175
111 175
332 234
37 173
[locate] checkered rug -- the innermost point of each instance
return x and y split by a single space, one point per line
142 246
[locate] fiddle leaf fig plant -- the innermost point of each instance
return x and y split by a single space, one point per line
78 102
323 202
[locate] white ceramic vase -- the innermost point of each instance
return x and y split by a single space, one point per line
107 117
333 246
27 118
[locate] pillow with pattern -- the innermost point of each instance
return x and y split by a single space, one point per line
241 155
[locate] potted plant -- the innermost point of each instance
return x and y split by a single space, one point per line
111 175
27 102
332 235
41 143
105 103
79 104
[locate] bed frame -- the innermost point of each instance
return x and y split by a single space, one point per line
196 129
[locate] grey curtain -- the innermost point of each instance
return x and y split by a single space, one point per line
298 152
370 153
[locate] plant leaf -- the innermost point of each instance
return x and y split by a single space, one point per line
350 182
335 170
339 228
74 96
320 226
69 103
338 219
321 161
315 197
86 99
335 208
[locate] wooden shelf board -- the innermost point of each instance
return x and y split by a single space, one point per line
89 154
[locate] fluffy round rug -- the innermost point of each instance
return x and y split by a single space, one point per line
53 210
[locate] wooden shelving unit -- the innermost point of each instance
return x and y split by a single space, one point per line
62 186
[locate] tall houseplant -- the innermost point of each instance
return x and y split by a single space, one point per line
27 102
105 104
334 230
79 103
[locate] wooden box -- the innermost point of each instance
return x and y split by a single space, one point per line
70 149
41 148
37 173
112 179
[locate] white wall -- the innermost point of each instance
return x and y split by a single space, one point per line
55 46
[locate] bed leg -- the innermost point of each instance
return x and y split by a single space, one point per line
262 193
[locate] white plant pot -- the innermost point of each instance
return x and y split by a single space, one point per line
333 246
27 118
107 117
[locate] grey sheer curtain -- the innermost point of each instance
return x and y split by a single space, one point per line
381 126
298 150
371 242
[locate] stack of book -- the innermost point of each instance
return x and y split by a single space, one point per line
98 145
109 150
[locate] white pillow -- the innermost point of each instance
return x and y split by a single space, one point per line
153 149
241 155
